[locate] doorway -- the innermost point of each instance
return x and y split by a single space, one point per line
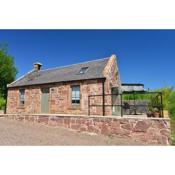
116 110
45 100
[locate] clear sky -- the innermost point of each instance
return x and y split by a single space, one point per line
144 56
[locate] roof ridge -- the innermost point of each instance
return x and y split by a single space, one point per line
60 67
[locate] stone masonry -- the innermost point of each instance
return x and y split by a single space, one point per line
150 131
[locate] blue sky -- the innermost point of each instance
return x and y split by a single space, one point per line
144 56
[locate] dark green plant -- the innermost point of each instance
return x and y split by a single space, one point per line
166 92
8 70
171 105
2 103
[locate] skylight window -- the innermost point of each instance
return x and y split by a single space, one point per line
83 70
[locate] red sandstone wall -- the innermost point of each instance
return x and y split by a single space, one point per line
61 97
32 101
144 130
111 73
59 100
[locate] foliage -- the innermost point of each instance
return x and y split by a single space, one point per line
2 103
8 70
171 105
137 96
168 96
166 92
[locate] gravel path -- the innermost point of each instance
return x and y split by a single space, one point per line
25 133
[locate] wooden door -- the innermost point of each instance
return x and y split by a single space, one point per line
45 100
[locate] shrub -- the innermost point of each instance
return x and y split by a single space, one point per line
166 93
2 103
171 105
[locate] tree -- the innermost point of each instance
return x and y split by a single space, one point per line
8 70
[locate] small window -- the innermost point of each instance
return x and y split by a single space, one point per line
83 70
75 94
22 96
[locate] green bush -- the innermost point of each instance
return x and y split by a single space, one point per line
171 105
166 93
2 103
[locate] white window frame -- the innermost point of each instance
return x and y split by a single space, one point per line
75 94
22 96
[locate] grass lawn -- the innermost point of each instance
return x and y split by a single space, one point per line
173 131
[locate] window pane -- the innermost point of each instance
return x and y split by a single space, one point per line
76 94
76 88
73 94
83 70
73 98
22 96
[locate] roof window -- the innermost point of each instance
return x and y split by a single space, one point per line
83 70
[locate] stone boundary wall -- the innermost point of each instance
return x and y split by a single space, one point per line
150 131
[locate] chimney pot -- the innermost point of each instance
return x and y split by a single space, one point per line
113 56
37 66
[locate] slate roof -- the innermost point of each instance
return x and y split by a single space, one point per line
63 74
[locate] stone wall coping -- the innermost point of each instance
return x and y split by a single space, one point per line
92 116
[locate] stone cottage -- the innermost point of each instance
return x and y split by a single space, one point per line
65 90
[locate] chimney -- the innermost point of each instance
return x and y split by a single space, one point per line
37 66
113 57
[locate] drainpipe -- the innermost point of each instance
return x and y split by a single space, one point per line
103 95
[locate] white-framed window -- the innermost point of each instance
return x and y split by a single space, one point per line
75 94
22 96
